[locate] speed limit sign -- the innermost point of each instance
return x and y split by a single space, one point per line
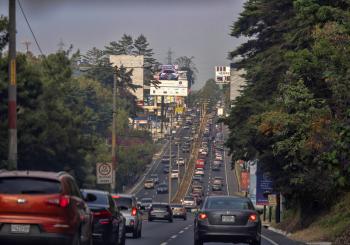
104 173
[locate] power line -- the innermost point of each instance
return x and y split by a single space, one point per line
30 28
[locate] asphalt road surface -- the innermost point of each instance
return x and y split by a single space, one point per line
180 231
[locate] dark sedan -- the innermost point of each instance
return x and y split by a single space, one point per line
162 189
229 219
108 223
160 211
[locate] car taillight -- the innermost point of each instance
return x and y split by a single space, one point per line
103 216
133 211
115 196
61 201
253 218
202 216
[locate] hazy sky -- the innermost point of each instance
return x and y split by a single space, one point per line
198 28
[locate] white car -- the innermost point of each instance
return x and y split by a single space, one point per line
189 202
174 174
181 161
218 157
199 171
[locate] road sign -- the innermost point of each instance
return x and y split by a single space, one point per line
104 173
272 200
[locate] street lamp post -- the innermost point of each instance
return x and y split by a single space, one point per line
170 155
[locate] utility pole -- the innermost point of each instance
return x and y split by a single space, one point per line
114 123
12 90
162 115
178 165
170 57
170 156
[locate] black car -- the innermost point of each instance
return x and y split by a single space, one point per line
227 219
162 188
166 169
160 211
108 222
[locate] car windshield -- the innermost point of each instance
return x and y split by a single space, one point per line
159 207
188 199
25 185
228 203
163 185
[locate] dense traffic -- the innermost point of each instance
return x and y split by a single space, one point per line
40 206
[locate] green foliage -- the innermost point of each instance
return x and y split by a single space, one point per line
293 113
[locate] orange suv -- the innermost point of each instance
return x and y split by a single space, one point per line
43 207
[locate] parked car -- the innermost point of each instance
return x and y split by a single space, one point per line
146 203
41 207
109 223
162 188
160 211
227 219
128 206
179 211
149 184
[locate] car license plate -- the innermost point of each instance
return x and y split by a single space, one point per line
228 218
20 228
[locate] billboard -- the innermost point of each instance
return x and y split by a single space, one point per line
252 180
172 83
222 74
244 181
263 187
169 91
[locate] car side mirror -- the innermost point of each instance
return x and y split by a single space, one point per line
89 197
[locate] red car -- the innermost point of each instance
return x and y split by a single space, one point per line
41 207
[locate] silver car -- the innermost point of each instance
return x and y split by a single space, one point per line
133 217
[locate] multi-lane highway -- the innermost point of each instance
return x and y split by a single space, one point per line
180 231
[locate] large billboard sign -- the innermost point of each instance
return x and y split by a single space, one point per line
172 83
222 74
168 91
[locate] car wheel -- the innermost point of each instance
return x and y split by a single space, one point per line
170 220
185 217
150 220
76 239
256 242
198 241
135 233
139 233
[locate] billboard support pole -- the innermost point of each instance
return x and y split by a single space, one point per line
162 115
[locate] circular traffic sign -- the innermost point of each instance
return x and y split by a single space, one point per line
105 169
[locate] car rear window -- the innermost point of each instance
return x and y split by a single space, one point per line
228 203
101 198
27 185
146 200
159 207
188 199
123 202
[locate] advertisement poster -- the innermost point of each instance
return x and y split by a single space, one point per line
263 186
252 180
244 181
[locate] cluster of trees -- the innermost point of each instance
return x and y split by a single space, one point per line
209 93
64 114
293 114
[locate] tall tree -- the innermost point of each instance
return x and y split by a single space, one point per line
124 46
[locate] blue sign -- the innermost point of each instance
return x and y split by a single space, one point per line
263 188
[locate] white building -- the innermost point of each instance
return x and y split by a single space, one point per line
136 63
237 81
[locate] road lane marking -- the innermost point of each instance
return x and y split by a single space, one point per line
164 243
186 228
269 240
173 237
180 232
